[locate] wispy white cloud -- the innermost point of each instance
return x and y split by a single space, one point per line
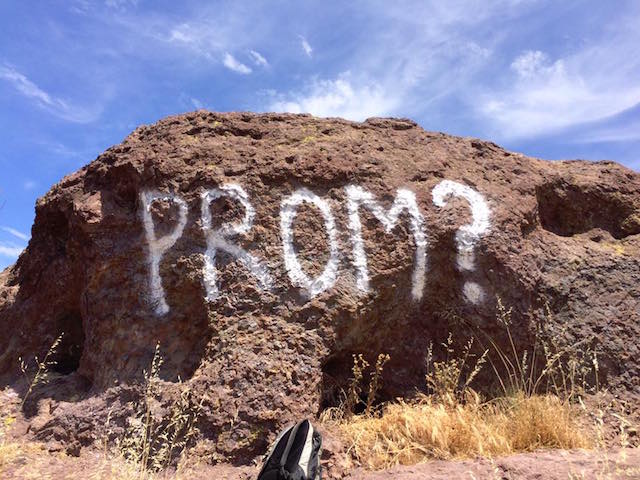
406 69
197 103
305 46
212 34
232 64
188 102
258 58
550 96
11 252
532 63
627 133
80 6
543 95
120 4
15 233
181 34
29 184
341 97
28 88
43 99
59 149
11 249
203 41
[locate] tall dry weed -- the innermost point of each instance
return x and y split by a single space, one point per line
155 437
552 364
42 371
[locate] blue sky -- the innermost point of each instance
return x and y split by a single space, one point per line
547 78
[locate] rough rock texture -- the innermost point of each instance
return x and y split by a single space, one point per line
562 233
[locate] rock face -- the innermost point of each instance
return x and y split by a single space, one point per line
261 251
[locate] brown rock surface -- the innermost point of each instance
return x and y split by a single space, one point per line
566 233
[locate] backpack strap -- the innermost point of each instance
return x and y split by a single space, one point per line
287 450
305 456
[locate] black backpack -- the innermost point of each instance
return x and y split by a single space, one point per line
295 455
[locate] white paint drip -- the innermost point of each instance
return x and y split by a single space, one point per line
218 239
405 200
288 212
158 246
467 236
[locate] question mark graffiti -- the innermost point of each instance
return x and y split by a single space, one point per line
467 236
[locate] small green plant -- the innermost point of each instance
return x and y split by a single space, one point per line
41 375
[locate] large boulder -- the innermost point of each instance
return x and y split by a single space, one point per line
262 251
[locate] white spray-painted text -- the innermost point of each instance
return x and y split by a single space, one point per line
467 236
220 239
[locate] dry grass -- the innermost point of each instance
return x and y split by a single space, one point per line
156 438
539 406
32 460
8 450
412 432
41 375
8 453
115 467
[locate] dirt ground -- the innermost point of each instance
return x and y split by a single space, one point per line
35 462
